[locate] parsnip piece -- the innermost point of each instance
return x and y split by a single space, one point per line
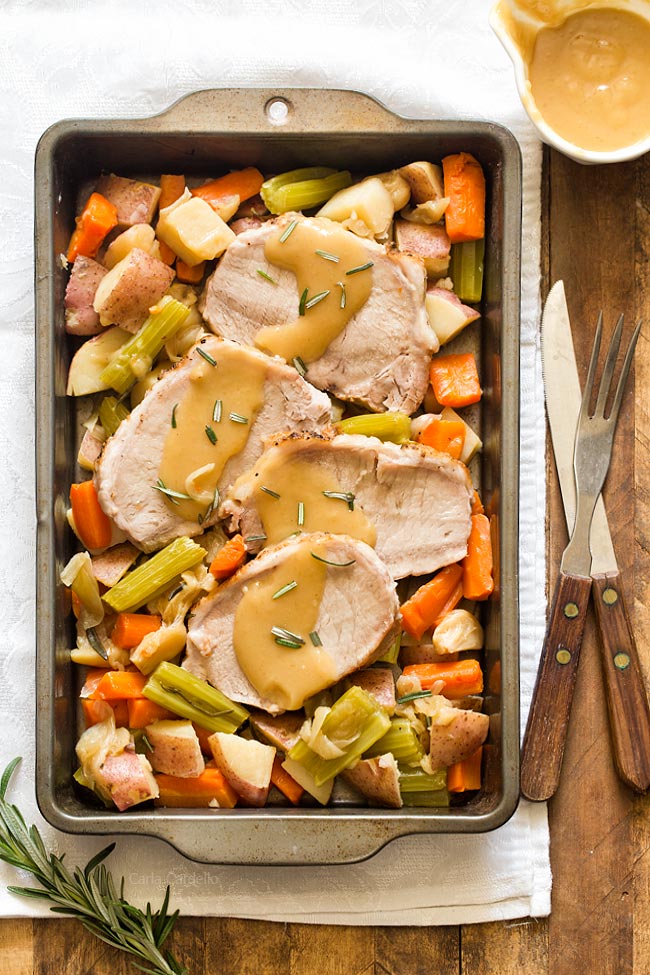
91 359
193 230
459 630
365 208
397 186
139 235
304 778
163 644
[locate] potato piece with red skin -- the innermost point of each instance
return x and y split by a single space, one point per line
379 682
130 289
134 201
247 764
457 740
377 779
176 748
429 242
80 316
128 778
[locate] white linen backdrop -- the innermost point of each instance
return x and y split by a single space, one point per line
423 59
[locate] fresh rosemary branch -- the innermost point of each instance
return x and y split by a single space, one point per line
88 894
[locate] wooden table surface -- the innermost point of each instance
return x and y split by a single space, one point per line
596 235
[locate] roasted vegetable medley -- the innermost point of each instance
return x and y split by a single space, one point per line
281 555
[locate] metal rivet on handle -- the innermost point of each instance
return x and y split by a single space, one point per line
563 656
610 596
277 110
621 660
571 610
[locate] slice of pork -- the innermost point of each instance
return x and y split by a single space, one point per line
358 617
418 499
381 358
127 470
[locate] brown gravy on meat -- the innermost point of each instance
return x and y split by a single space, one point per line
290 497
590 78
328 262
209 426
286 675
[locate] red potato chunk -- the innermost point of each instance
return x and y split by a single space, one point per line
247 764
131 288
113 563
80 316
176 748
459 739
128 778
377 779
429 242
134 201
379 682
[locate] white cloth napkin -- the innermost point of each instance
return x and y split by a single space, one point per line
422 59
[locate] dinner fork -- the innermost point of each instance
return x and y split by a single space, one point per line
544 741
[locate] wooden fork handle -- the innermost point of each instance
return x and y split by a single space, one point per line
548 720
627 701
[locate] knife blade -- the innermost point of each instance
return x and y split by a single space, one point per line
629 713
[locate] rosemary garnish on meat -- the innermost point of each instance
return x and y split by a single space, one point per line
238 418
301 514
267 277
361 267
285 589
413 696
174 496
328 256
287 233
89 894
174 416
216 411
206 356
339 565
210 434
267 490
299 365
315 300
286 638
301 303
341 285
346 496
255 538
315 639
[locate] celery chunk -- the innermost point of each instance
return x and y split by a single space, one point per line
192 698
136 356
303 189
355 722
152 577
466 269
402 741
393 426
111 414
391 655
420 789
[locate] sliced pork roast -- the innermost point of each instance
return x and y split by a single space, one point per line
161 474
381 358
415 500
355 617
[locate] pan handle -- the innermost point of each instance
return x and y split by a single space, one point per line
291 110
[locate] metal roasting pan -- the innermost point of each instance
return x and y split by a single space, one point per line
202 135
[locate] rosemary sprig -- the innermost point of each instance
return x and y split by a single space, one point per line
267 490
341 285
328 256
267 277
299 365
210 434
96 643
285 589
314 301
301 514
287 233
238 418
216 411
302 302
315 639
206 356
361 267
174 496
90 894
174 416
339 565
346 496
286 638
413 696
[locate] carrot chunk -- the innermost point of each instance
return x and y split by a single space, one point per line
454 379
431 601
172 187
131 628
477 505
478 581
142 712
464 185
447 436
243 183
465 775
96 711
460 678
116 684
228 558
197 792
97 219
187 274
285 782
93 526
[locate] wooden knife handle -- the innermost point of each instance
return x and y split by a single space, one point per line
548 720
627 701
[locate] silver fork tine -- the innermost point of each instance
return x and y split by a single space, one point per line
618 397
608 371
589 383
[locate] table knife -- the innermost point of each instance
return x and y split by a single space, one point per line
629 714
